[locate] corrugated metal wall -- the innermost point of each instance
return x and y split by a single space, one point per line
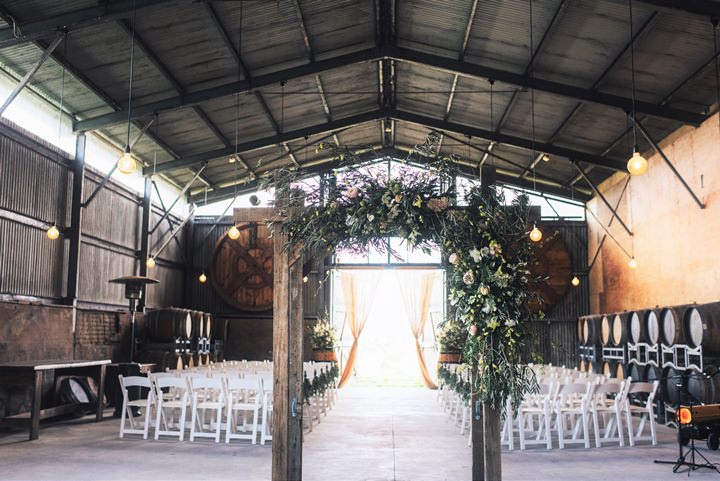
35 190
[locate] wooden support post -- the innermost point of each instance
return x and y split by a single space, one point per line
145 237
78 169
287 364
478 435
491 428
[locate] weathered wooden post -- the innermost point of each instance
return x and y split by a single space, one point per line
287 348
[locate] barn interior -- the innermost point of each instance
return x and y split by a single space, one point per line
137 138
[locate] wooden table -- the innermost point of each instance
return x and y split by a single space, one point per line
30 373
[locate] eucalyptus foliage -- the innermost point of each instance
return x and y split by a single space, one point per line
485 244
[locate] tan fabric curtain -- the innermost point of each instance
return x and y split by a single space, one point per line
358 291
416 298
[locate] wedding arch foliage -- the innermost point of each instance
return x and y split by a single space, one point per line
484 243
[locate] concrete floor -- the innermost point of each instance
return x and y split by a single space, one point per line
371 434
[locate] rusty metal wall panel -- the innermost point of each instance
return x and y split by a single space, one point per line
112 216
30 264
97 267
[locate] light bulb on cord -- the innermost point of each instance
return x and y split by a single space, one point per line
637 165
150 262
305 279
575 281
546 158
126 164
202 278
233 232
232 159
535 234
632 263
53 232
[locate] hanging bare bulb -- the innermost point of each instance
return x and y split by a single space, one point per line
535 234
202 278
632 263
575 281
126 164
233 232
305 279
388 126
53 232
232 159
150 262
546 158
637 165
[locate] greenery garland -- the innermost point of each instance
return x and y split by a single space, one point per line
485 243
454 381
321 383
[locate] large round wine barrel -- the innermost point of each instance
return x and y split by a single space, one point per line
671 325
580 323
703 387
198 323
620 370
594 366
651 373
241 270
582 367
167 325
635 372
643 326
651 320
606 330
669 390
208 326
621 328
701 324
591 330
551 262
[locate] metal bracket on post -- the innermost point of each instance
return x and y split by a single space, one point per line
655 145
602 197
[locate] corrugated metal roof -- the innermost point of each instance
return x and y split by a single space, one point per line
587 39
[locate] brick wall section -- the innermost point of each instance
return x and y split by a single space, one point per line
676 244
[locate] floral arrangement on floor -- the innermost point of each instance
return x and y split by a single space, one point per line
451 336
485 244
324 335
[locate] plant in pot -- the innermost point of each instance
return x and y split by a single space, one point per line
451 338
324 340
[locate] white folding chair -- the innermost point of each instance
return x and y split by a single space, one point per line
611 411
267 409
645 412
243 395
537 405
141 383
177 387
573 405
208 394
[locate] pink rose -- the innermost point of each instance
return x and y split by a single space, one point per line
353 192
454 259
472 329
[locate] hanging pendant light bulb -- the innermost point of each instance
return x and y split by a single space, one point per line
126 164
575 281
535 234
202 278
150 262
637 165
53 232
632 263
233 232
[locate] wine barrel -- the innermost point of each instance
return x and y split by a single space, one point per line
208 326
701 324
167 325
651 373
198 324
644 327
220 329
606 330
594 366
621 328
669 390
591 330
582 367
703 387
580 337
671 325
651 320
609 368
241 270
620 370
635 372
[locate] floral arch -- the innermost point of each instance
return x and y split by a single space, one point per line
485 244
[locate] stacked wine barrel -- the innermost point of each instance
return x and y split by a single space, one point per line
176 338
674 345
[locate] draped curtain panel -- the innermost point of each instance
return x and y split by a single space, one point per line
359 291
416 298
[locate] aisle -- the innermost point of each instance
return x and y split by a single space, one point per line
385 433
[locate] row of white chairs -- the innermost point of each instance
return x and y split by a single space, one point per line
568 401
228 392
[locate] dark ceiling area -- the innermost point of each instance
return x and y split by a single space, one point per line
271 79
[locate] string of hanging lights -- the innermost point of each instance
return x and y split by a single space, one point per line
637 164
126 164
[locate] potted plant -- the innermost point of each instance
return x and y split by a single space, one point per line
324 340
451 339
